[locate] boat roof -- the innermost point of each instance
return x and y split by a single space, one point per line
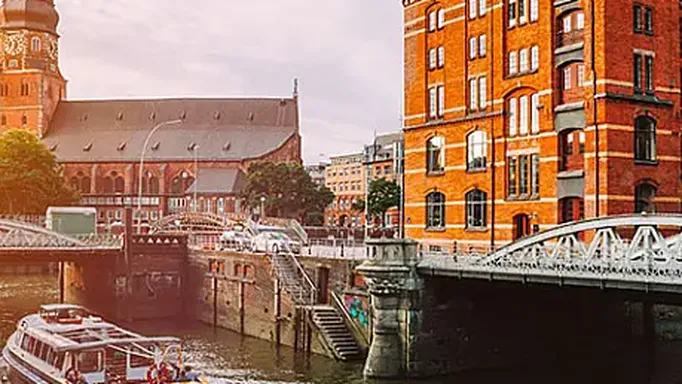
56 307
90 333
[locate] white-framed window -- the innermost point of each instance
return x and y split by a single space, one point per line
567 78
482 92
534 58
567 24
581 75
473 98
511 13
580 21
534 113
472 9
35 44
441 100
513 68
432 21
476 151
523 115
441 56
432 58
435 154
482 7
523 60
441 18
523 11
433 104
534 13
472 48
512 117
482 46
221 205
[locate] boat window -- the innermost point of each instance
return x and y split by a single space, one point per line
89 361
31 344
25 342
59 361
50 356
139 358
35 350
43 352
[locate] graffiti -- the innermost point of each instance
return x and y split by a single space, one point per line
358 308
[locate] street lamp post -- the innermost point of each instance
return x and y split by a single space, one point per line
196 178
141 170
262 207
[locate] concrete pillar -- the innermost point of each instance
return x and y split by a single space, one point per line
396 289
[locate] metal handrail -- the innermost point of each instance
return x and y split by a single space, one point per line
313 289
338 303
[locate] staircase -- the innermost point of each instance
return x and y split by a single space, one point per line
334 329
291 279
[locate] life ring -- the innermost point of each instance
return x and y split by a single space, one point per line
153 376
163 373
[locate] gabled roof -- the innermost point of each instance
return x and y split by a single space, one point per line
218 180
221 129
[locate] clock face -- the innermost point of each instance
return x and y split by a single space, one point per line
53 49
13 45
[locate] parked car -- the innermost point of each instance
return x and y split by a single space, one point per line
274 242
235 240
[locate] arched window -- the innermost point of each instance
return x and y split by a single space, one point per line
476 151
144 185
176 186
645 139
85 184
645 194
435 155
181 183
73 182
435 210
119 184
476 209
107 185
153 185
3 119
35 44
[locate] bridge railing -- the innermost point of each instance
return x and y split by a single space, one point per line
37 220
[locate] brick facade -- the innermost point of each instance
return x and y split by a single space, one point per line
538 69
33 97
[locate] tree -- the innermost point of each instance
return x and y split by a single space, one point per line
288 191
383 194
358 205
30 177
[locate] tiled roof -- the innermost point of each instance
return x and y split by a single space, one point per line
223 129
218 180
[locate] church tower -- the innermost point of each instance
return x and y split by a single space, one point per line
31 84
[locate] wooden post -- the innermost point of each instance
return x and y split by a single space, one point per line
215 301
278 312
127 259
61 282
241 306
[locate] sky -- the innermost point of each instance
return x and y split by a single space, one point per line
347 55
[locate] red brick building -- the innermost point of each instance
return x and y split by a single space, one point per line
522 114
199 153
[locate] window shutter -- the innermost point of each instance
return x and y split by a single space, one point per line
523 115
534 114
512 117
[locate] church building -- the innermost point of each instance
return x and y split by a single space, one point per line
195 151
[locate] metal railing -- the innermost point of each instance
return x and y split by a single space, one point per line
311 286
358 252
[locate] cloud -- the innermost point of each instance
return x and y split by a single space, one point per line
346 53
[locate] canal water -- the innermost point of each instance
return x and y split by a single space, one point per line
227 357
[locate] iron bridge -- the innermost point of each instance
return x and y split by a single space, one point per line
21 236
636 252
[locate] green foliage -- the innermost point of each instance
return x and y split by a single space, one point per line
30 177
288 190
383 194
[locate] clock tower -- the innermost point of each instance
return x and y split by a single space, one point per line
31 84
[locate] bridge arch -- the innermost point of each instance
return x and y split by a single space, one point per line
196 222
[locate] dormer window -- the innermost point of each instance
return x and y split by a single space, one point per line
87 147
155 146
119 117
121 146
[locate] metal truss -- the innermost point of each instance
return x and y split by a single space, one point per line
21 235
618 249
195 222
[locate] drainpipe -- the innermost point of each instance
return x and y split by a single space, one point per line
492 127
594 110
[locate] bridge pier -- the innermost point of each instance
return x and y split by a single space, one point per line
395 289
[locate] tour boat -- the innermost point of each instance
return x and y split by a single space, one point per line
66 344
